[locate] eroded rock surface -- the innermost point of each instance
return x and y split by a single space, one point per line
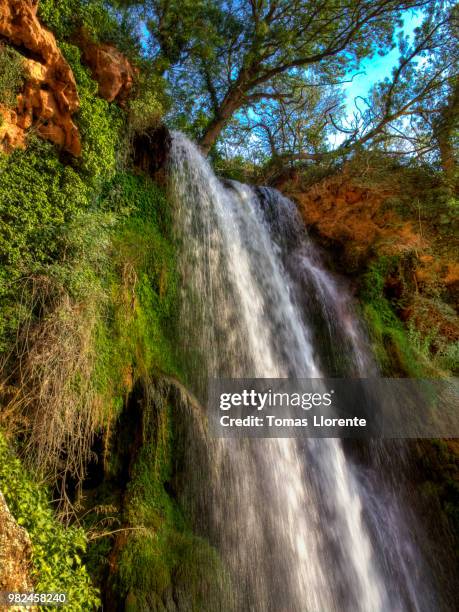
15 553
352 217
110 68
357 224
49 97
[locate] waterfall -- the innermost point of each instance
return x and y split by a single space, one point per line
300 526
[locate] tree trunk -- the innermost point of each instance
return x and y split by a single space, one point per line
447 156
444 131
231 103
211 134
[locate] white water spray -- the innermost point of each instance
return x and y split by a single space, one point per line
288 518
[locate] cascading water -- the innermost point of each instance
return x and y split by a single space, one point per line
296 522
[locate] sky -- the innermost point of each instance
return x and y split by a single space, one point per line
378 68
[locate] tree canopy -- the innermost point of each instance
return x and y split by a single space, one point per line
269 74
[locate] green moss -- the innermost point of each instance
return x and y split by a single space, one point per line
167 566
136 332
164 560
56 550
389 338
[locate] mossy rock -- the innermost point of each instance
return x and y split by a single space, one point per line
162 564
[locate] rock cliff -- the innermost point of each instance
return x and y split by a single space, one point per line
363 219
50 97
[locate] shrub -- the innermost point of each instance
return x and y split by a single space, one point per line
54 356
61 16
64 17
38 196
56 550
99 123
234 168
417 349
11 75
389 338
98 300
148 101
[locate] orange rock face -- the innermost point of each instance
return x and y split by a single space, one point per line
110 68
11 135
15 553
353 217
50 95
356 222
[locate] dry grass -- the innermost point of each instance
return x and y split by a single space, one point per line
55 405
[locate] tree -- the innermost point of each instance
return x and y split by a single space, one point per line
295 126
446 133
179 29
237 54
416 111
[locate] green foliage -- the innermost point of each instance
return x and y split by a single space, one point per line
99 123
431 347
391 344
138 196
265 61
440 471
38 196
56 550
96 17
447 358
405 350
148 503
116 264
137 332
100 240
11 75
156 567
315 173
145 111
235 168
418 191
148 101
61 16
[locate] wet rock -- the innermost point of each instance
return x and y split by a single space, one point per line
151 150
